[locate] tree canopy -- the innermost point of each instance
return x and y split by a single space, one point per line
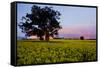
42 21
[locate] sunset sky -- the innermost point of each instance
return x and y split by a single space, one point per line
75 21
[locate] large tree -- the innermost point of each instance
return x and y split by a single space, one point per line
42 21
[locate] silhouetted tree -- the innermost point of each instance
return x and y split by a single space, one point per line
82 37
41 22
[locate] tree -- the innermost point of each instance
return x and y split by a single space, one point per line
41 22
82 37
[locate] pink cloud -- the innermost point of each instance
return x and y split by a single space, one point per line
86 31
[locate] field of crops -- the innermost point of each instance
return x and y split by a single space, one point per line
55 51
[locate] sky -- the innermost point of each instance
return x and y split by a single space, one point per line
75 21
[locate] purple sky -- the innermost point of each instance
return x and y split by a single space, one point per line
75 21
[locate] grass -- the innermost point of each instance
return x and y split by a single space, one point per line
55 51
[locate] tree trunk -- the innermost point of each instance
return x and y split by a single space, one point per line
41 38
46 36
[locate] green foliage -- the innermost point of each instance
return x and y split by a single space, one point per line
55 51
